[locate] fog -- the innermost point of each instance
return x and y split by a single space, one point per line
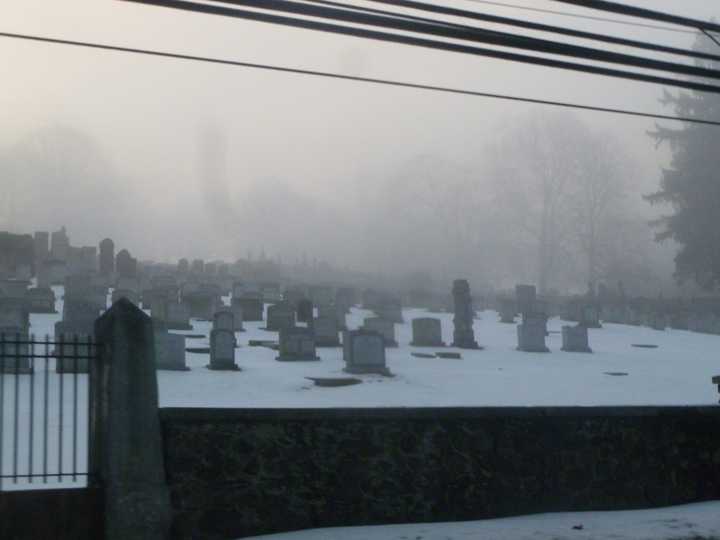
182 159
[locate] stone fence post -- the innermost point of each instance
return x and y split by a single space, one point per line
128 454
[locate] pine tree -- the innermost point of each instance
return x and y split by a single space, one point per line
691 186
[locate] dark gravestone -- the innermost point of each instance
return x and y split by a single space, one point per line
129 451
526 298
14 350
305 310
296 345
531 334
41 300
427 332
507 310
327 333
251 305
383 327
364 352
280 316
222 343
169 349
575 339
463 335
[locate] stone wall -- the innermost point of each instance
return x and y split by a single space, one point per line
241 472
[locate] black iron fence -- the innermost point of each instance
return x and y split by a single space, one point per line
45 401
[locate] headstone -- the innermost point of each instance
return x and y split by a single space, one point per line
507 310
575 339
107 257
41 300
296 345
364 352
125 264
526 297
463 335
178 316
237 312
279 316
383 327
305 310
327 333
14 349
14 314
202 304
224 320
427 332
531 334
590 316
222 350
251 305
169 349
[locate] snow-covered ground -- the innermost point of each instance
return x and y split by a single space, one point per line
692 522
678 372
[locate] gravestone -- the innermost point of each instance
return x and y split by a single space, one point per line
383 327
169 349
296 345
78 321
14 357
507 310
202 304
590 316
575 339
279 316
224 319
531 334
305 310
41 300
251 305
222 350
327 333
526 297
107 257
390 309
463 335
14 314
427 332
293 296
178 316
237 317
364 352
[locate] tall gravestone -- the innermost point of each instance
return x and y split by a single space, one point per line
463 334
107 257
128 452
222 343
305 310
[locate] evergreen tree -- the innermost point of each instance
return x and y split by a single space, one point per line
691 186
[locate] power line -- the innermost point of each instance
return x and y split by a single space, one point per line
352 78
578 16
643 13
468 33
425 43
445 10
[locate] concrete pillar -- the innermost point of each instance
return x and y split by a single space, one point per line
128 451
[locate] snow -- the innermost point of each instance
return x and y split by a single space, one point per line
694 522
678 372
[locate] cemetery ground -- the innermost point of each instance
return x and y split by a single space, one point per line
677 372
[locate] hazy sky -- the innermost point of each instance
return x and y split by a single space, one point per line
328 141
